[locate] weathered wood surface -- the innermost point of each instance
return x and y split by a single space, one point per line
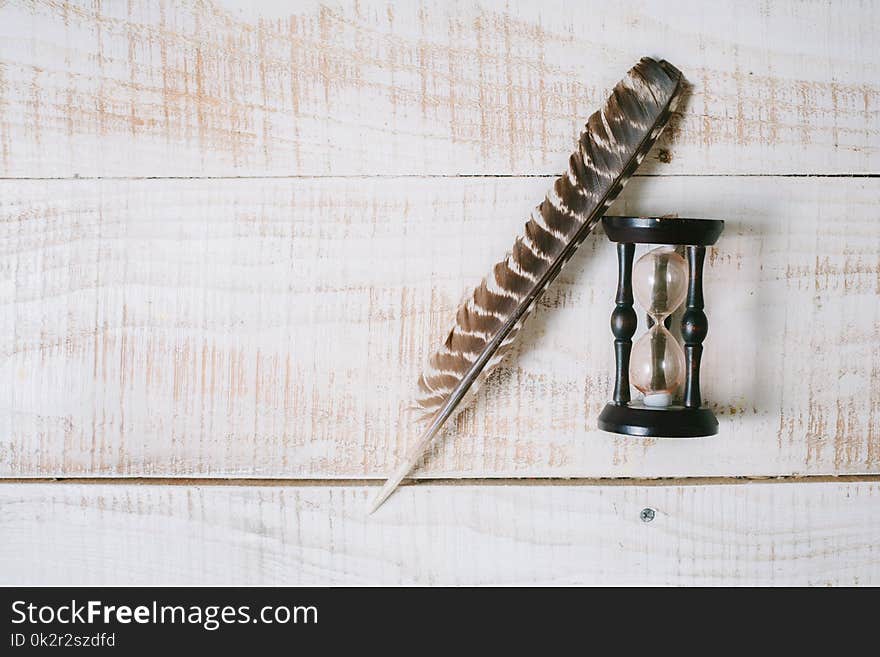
271 323
782 534
238 88
275 328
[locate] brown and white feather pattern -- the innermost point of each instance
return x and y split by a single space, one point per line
612 145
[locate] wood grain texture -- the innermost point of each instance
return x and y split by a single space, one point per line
186 87
780 534
276 328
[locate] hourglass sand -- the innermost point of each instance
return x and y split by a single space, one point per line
656 365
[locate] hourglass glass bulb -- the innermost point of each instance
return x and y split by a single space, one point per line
656 366
656 369
660 279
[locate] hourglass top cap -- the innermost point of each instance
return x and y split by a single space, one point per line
663 230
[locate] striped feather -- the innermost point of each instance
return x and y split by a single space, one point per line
614 142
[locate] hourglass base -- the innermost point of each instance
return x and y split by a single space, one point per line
636 419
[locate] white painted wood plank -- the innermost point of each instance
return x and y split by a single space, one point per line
276 328
185 88
746 534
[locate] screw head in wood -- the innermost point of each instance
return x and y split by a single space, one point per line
647 514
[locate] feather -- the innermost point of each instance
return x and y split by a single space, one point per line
613 143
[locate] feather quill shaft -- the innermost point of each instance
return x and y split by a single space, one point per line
612 145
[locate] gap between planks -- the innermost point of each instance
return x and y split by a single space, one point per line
422 176
441 481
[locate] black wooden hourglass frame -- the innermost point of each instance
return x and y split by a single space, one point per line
689 419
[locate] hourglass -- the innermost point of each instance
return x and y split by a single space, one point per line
657 365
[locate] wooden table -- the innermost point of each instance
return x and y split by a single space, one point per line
231 232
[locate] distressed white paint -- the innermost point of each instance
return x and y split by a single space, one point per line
781 534
230 88
277 327
274 327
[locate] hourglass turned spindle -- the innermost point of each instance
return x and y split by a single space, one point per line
694 326
656 365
